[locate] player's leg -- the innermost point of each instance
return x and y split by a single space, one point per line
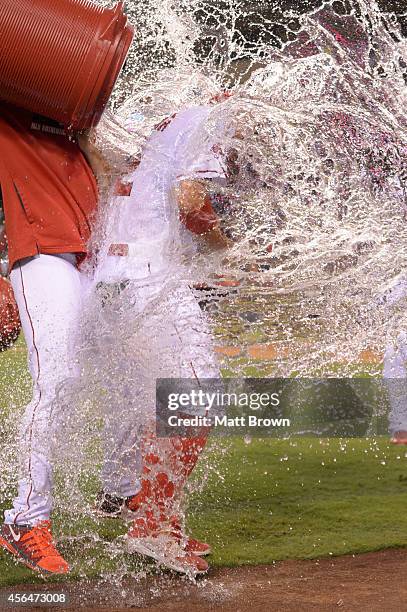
183 343
48 293
122 465
122 384
192 341
131 370
395 374
177 345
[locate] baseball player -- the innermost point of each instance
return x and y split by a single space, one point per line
50 196
142 253
394 368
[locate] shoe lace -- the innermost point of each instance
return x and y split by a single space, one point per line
39 542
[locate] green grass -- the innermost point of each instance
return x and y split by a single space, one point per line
262 502
304 499
15 381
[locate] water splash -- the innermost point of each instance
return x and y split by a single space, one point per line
315 134
315 139
317 142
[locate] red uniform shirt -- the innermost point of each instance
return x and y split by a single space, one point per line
49 190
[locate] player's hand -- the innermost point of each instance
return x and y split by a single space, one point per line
99 164
191 196
198 214
217 240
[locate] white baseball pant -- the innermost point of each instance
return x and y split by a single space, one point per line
173 340
48 291
395 374
395 360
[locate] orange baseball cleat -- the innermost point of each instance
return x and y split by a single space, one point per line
33 546
197 547
164 548
112 506
189 544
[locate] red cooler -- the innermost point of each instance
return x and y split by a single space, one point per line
61 58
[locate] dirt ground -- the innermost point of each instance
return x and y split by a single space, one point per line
373 582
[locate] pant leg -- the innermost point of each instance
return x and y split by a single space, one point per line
395 374
48 293
122 459
173 339
176 339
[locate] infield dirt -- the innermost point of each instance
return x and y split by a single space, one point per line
370 582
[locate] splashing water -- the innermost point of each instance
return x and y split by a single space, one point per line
317 129
314 135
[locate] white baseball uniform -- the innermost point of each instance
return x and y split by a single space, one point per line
48 290
146 222
174 335
395 365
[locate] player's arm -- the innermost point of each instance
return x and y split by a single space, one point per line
100 167
197 212
110 150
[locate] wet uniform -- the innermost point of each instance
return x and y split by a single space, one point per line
49 197
144 244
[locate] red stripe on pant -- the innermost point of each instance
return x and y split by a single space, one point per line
38 402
